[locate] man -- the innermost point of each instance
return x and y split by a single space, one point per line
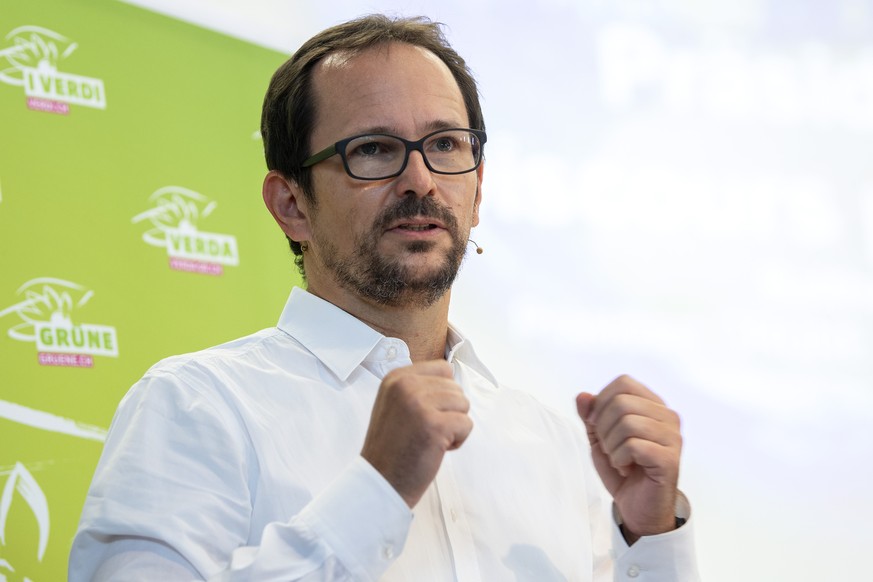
362 438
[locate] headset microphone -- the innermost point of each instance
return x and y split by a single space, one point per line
479 250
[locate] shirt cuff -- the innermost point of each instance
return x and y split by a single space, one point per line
362 519
667 556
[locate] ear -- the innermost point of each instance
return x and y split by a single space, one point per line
285 200
480 171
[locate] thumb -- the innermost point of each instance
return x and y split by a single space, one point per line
585 408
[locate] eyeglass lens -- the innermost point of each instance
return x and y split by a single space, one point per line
377 156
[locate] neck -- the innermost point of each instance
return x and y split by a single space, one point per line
423 329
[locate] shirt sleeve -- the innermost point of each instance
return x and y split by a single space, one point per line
172 497
665 557
668 557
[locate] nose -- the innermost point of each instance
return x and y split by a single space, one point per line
416 178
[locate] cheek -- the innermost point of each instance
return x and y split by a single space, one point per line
475 210
467 207
345 209
346 225
342 226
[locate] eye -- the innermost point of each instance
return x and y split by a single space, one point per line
373 146
445 144
368 149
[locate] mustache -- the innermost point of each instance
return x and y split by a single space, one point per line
411 206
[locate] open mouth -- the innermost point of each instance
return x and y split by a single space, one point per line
417 227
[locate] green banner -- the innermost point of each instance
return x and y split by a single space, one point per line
132 228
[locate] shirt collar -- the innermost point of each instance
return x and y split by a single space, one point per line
459 348
342 342
337 338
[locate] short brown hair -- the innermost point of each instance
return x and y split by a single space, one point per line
289 113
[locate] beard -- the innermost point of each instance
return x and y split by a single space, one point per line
387 280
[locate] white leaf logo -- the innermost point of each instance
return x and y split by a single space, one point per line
33 47
22 482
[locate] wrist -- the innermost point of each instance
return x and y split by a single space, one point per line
630 537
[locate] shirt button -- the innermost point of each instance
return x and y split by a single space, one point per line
633 571
453 514
392 353
387 552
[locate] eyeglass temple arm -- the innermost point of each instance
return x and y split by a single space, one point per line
320 156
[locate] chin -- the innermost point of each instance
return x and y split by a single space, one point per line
420 246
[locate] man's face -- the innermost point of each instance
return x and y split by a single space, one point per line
397 241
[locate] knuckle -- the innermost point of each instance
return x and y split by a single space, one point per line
446 367
430 424
625 382
395 378
622 403
441 368
402 392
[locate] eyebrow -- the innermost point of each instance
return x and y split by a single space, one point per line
429 127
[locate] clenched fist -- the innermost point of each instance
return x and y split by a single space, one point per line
420 413
636 445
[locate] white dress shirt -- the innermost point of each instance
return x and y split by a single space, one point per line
242 462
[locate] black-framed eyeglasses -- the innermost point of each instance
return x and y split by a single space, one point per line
377 156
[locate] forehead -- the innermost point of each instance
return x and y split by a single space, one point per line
393 87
